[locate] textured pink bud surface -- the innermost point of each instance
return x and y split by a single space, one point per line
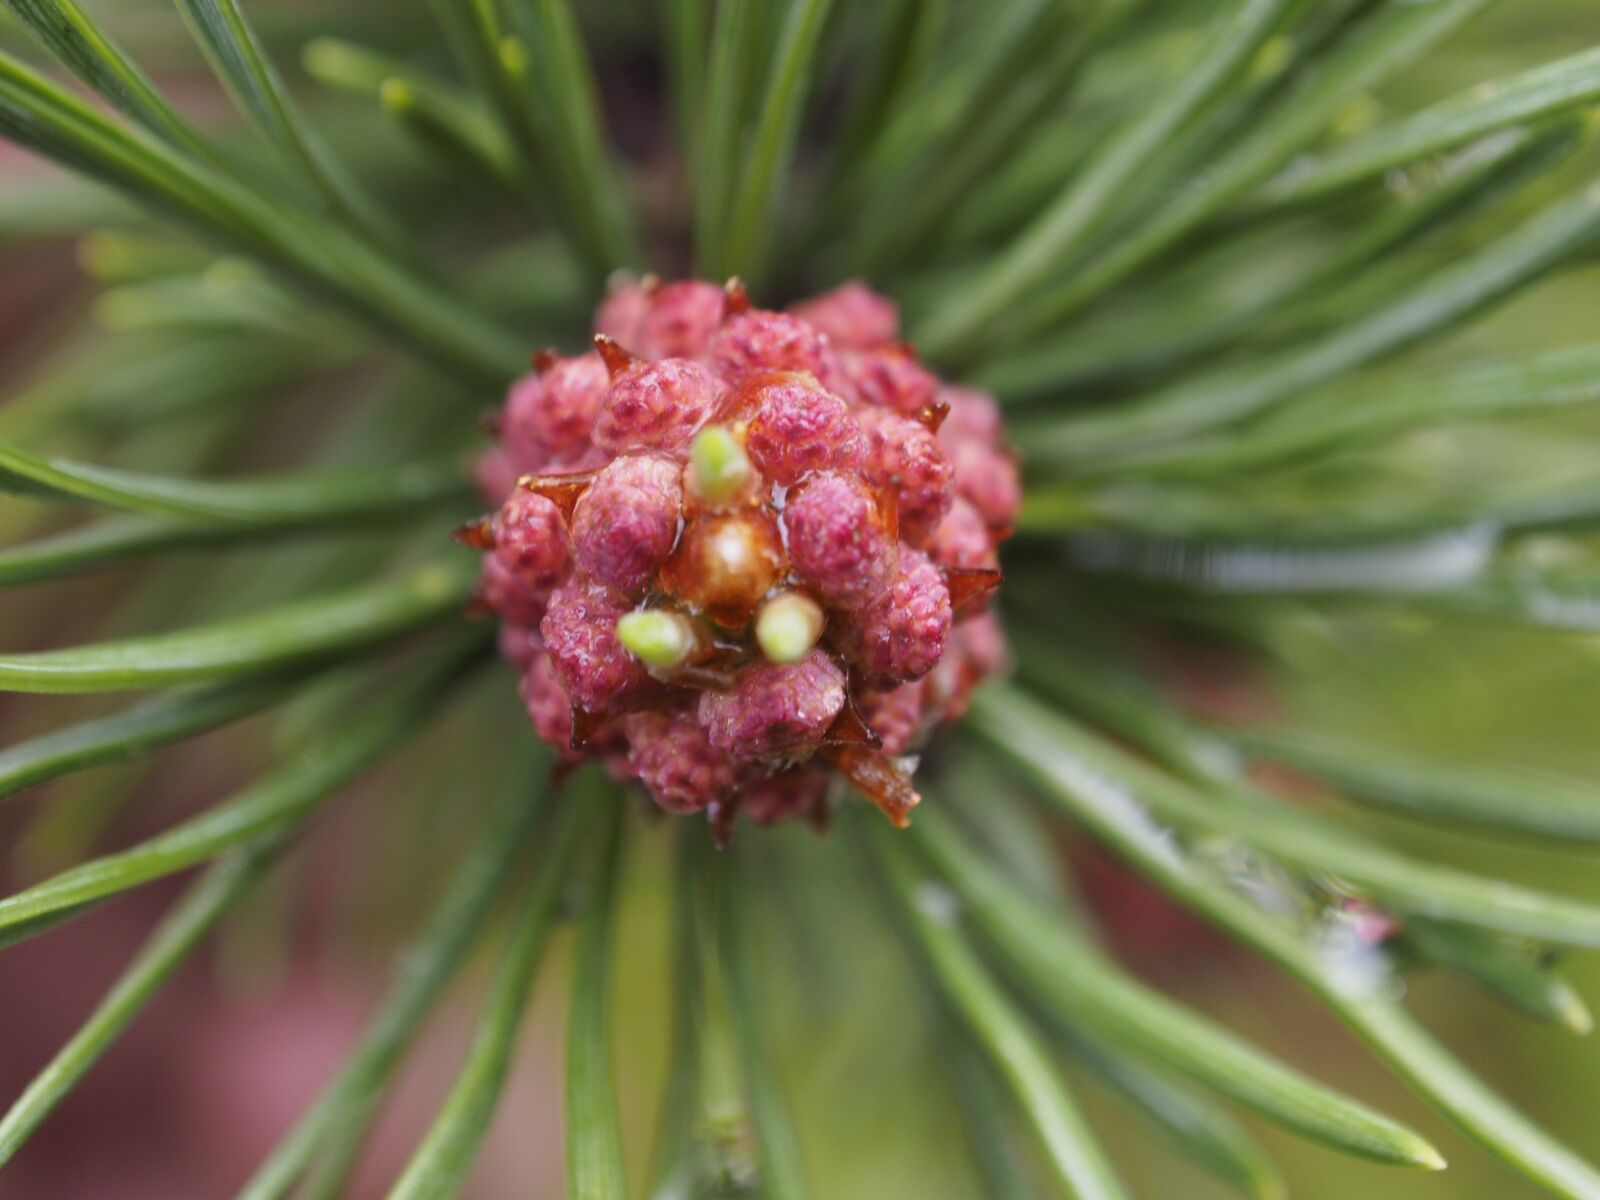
853 316
624 526
621 314
671 755
899 635
656 405
755 341
977 651
895 715
775 709
496 474
988 477
889 378
963 538
982 642
848 511
972 416
580 634
798 428
502 591
791 795
904 456
530 541
679 320
551 413
837 543
548 707
520 643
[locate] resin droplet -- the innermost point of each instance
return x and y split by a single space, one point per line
720 816
586 726
932 415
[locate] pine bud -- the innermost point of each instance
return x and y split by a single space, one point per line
745 548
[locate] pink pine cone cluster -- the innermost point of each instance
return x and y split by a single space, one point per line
806 518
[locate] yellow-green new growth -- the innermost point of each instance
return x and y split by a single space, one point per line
789 625
718 465
661 640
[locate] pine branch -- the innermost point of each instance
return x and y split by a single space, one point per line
732 896
168 947
350 1101
1397 35
137 731
39 114
267 809
1075 1159
1532 96
77 41
339 624
1076 985
593 1125
439 116
1060 234
237 58
438 1167
395 492
1022 734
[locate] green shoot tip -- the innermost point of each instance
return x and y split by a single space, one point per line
788 626
718 465
659 639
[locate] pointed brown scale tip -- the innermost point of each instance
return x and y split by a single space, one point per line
720 815
820 818
650 284
848 729
543 360
561 490
970 586
617 359
491 424
880 779
478 534
477 608
932 415
585 726
738 299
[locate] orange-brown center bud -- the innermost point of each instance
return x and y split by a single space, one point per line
725 564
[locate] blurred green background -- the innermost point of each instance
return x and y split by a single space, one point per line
856 1043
